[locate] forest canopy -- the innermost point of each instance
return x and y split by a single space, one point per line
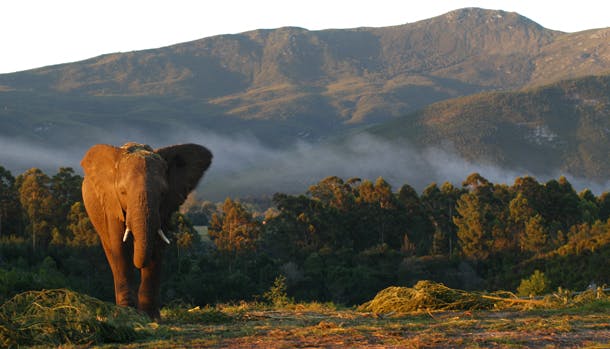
342 241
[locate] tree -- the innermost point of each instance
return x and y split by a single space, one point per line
332 191
479 220
520 213
604 206
474 230
588 206
520 209
197 212
291 233
38 203
185 235
383 193
65 187
390 225
475 182
530 190
379 217
10 207
80 227
535 236
444 217
440 243
561 205
366 192
419 221
236 231
57 238
439 205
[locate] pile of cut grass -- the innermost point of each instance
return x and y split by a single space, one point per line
428 295
425 296
60 316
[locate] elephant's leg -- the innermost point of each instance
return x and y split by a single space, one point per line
123 274
150 283
120 255
117 252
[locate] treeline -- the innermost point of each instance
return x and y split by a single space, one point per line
342 241
46 239
346 239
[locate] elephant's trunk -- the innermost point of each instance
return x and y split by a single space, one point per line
144 226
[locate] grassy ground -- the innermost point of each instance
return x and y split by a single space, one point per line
320 326
50 318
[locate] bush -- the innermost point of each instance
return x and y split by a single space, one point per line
276 295
537 284
16 280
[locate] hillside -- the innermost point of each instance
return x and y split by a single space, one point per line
276 99
562 127
321 79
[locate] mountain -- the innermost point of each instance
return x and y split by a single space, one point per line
266 96
549 131
320 80
563 127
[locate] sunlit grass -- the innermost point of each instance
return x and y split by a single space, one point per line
312 324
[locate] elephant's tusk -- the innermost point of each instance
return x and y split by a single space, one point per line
127 231
163 236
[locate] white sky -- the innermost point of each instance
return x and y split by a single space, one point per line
36 33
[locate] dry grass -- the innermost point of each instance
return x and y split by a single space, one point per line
583 322
54 317
431 296
424 296
251 327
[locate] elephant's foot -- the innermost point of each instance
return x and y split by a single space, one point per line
152 312
125 300
150 308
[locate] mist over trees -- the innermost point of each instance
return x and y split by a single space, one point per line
342 240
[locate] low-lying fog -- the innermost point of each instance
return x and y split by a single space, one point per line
243 166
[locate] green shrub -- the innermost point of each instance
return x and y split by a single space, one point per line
537 284
276 295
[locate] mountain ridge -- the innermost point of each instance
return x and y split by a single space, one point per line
278 87
363 74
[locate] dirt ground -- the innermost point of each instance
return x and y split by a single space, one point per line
350 329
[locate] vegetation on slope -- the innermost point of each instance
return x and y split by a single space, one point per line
560 127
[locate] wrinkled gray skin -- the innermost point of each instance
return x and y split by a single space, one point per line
130 194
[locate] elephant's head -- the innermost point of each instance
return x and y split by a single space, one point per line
141 187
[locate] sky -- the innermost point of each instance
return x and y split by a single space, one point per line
35 33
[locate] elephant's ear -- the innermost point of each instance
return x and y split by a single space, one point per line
186 164
100 167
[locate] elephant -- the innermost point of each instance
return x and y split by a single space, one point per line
130 193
